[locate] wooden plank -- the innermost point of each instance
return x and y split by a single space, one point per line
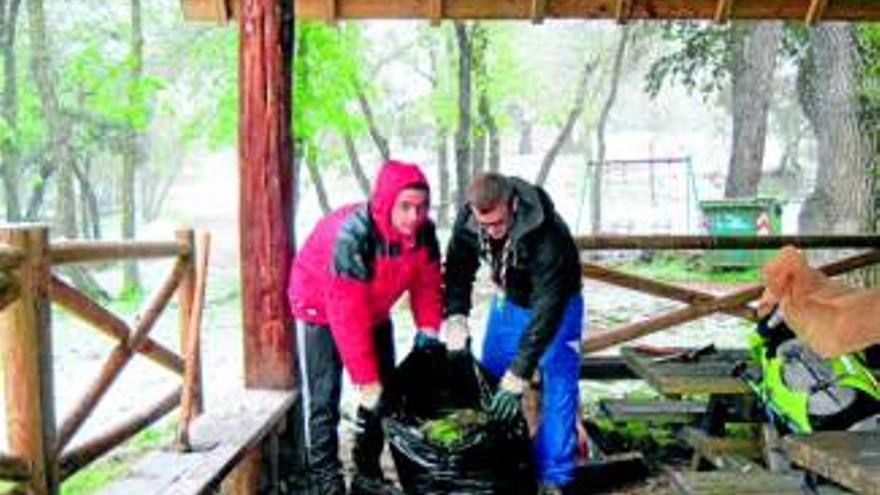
849 458
724 453
658 242
656 411
265 188
660 289
605 368
853 10
753 482
220 437
244 478
92 251
816 11
710 374
598 341
26 348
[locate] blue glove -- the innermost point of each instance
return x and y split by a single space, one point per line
507 401
427 341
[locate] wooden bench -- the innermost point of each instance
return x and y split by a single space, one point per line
220 438
657 411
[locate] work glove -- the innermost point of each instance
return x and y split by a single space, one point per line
458 334
507 401
427 340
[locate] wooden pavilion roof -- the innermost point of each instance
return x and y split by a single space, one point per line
810 11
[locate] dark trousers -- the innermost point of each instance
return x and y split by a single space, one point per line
314 424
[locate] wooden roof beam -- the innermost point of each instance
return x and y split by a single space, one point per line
722 11
332 12
864 10
539 11
816 11
435 11
623 11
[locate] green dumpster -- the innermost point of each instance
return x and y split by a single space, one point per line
742 216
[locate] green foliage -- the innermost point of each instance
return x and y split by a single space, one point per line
106 89
327 68
701 61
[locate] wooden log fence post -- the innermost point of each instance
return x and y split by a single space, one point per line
185 294
192 387
25 340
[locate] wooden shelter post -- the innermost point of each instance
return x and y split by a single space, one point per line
265 199
25 340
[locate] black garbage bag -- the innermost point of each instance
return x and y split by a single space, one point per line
441 438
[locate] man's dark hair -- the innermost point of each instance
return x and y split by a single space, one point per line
489 190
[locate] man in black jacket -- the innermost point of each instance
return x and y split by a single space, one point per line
536 318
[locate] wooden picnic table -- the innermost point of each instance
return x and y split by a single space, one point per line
849 458
710 374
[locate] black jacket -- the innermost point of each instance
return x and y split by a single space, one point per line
542 268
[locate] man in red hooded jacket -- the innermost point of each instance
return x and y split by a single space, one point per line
357 262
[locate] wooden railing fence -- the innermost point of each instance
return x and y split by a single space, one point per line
701 304
40 456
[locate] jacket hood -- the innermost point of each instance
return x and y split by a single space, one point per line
394 177
528 211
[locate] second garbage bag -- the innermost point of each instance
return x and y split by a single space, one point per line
441 438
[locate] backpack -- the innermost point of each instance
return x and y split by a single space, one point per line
805 392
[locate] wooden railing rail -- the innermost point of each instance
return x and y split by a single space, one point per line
84 454
14 468
111 325
120 356
10 257
190 401
39 456
702 304
683 242
98 251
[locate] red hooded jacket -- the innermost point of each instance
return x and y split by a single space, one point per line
355 266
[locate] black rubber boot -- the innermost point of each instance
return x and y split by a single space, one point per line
368 445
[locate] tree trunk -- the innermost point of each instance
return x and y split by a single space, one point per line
478 158
38 194
442 136
576 109
355 162
380 140
829 94
599 170
463 132
57 129
65 202
317 179
9 150
491 128
91 215
132 156
754 46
